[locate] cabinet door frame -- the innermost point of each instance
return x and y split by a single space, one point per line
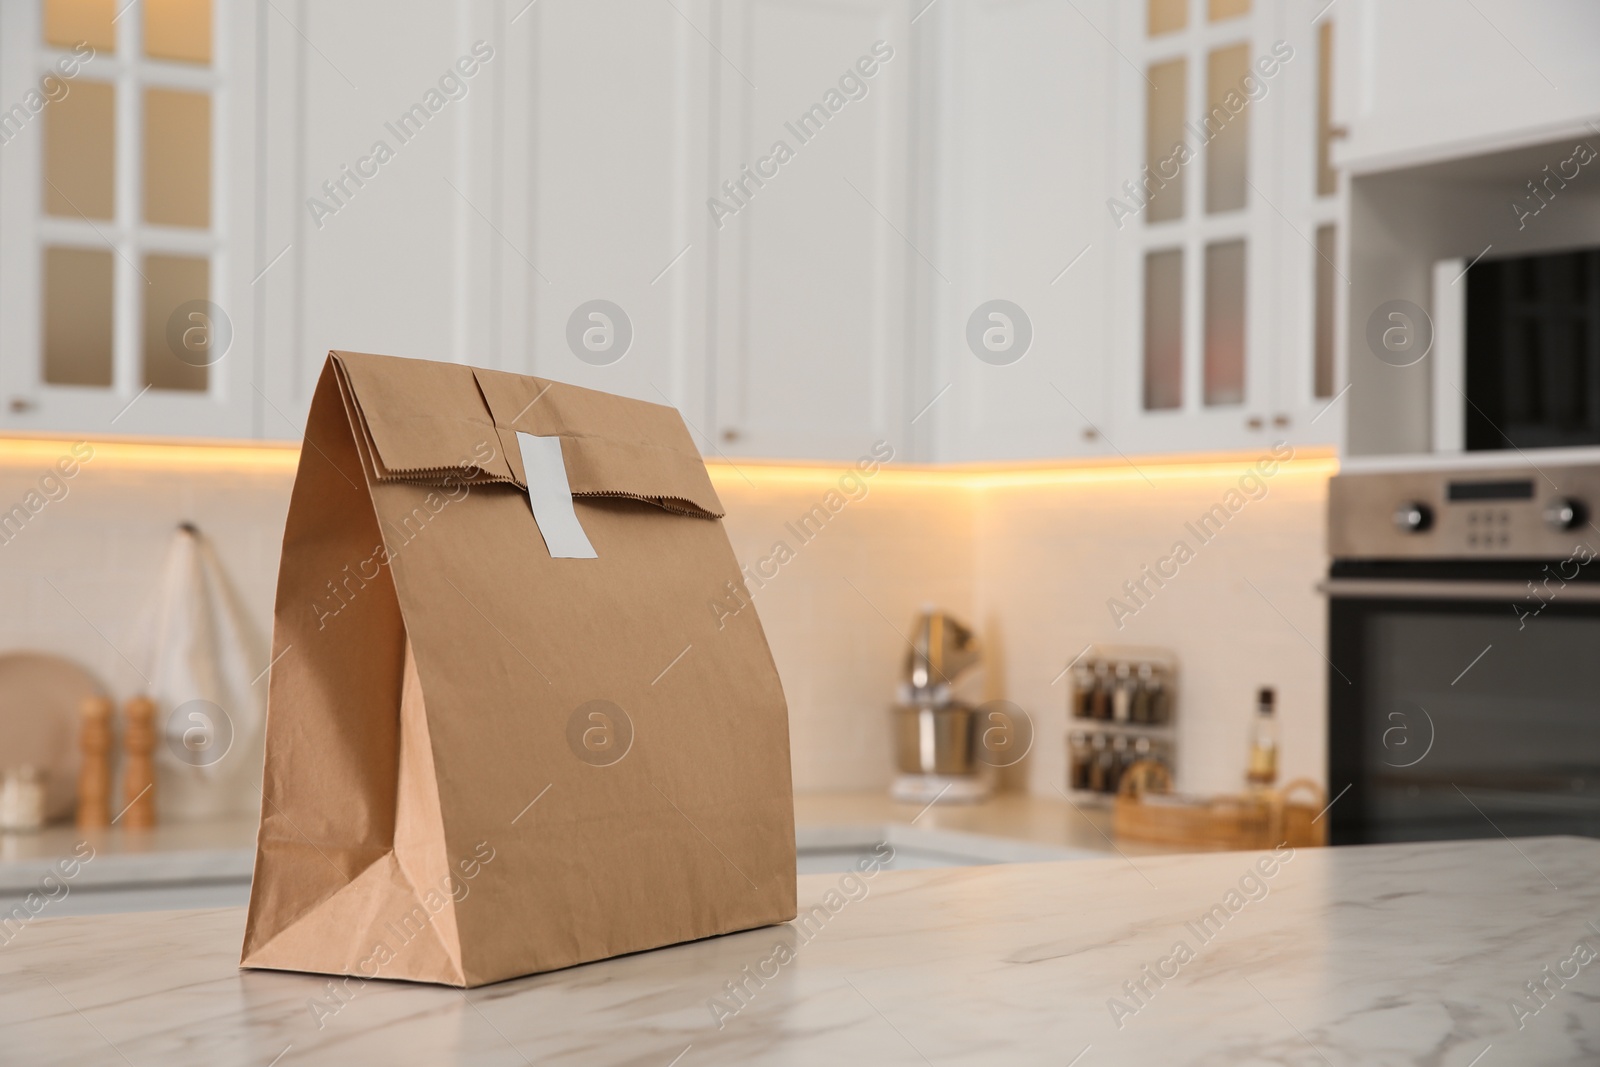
659 276
894 210
27 402
1023 169
1312 419
481 314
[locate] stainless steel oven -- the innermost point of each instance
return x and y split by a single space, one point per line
1464 653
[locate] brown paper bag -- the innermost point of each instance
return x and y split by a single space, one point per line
484 761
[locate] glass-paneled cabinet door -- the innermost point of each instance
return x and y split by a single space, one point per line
126 163
1309 379
1207 278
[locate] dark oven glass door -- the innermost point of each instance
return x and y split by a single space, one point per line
1462 703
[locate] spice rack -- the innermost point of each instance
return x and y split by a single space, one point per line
1122 705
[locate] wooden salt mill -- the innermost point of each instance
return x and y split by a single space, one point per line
94 770
138 770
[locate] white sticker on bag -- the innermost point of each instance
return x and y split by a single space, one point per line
550 495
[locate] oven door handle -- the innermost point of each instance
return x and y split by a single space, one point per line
1426 589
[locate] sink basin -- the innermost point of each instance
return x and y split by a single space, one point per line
222 878
836 849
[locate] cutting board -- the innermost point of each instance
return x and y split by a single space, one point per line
40 695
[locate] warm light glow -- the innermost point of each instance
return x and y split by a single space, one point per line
43 452
745 474
1307 463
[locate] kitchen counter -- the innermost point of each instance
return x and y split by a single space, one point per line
1046 822
1010 828
114 869
1376 955
187 852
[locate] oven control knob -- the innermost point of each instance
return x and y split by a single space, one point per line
1565 513
1413 517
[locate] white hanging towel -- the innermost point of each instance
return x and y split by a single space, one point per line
203 656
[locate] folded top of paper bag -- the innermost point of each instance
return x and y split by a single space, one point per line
428 421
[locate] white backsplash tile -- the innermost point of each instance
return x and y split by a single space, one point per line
1031 566
1049 559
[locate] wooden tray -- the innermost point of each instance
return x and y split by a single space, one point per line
1146 810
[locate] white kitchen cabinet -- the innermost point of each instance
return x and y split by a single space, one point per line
127 195
1427 80
591 190
816 248
381 208
556 221
1461 119
568 173
1219 250
1020 140
611 188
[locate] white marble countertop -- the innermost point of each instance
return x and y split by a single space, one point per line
1400 954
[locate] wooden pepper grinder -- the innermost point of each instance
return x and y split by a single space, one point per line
138 771
94 771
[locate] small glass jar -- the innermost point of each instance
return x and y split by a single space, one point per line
22 800
1139 711
1100 705
1079 756
1120 762
1122 694
1083 691
1099 764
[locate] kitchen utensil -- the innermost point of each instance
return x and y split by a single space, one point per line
138 770
40 695
933 731
942 649
930 740
94 775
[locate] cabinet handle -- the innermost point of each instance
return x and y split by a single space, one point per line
1280 421
1091 434
730 436
1254 422
21 404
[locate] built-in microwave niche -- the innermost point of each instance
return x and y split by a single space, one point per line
1533 351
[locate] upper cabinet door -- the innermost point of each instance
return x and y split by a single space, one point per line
382 218
1426 80
126 196
812 229
1022 331
1309 285
511 185
609 161
1224 228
